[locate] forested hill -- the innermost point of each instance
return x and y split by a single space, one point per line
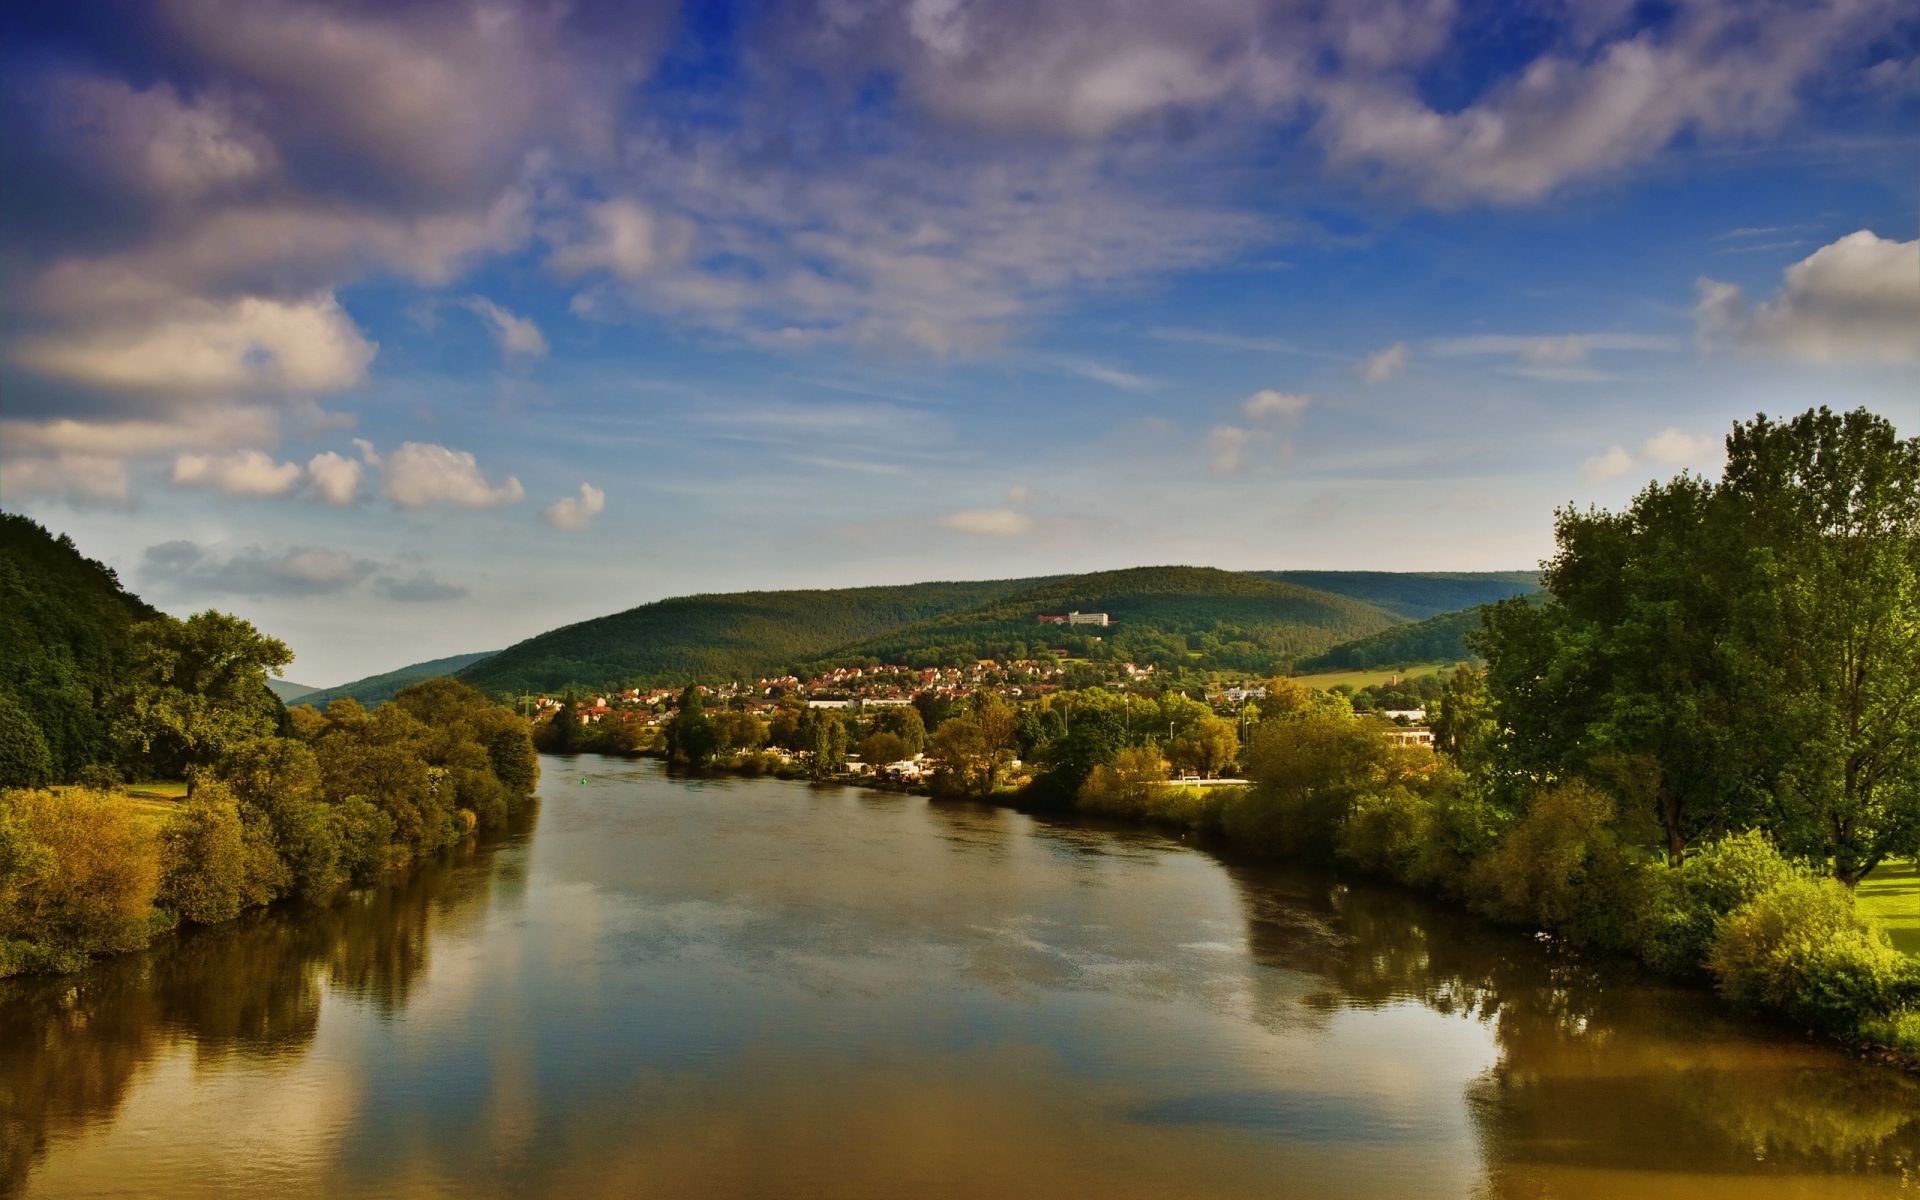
1416 595
1172 616
1441 639
377 689
1196 617
63 642
714 637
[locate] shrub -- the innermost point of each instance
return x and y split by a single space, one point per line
77 872
363 836
1126 787
1561 868
1385 831
214 863
1681 907
1800 948
99 777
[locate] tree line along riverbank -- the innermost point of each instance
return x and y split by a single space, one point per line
1692 752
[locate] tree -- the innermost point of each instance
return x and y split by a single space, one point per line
691 736
199 686
1827 628
882 747
24 758
1206 747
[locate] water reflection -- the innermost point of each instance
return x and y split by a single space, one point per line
72 1047
751 988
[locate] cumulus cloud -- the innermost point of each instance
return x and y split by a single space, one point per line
185 568
1267 403
240 473
308 345
1670 448
574 513
422 473
1611 464
335 478
1854 300
155 141
517 336
988 522
1227 449
1385 363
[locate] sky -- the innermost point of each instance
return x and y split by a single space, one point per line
414 330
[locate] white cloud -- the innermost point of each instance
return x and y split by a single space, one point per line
1102 373
1671 447
1610 465
240 473
202 426
515 335
156 142
1716 70
422 473
1227 449
1266 403
335 477
1678 448
621 237
1385 363
1565 357
576 513
988 522
1854 300
199 347
80 478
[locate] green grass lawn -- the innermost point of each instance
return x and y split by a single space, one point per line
1359 679
1891 895
156 802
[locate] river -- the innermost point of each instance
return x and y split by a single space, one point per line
755 988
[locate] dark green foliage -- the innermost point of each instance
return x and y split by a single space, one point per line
64 621
1185 616
692 739
1415 596
378 689
1562 868
1171 616
1441 639
24 758
710 637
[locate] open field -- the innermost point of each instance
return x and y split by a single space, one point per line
1360 679
156 802
1891 895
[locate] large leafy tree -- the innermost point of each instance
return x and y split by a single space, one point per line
1827 628
198 687
1736 655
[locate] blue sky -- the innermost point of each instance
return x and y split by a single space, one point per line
414 330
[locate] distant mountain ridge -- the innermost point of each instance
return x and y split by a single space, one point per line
1190 616
376 689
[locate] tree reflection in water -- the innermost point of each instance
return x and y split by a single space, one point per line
1600 1067
72 1046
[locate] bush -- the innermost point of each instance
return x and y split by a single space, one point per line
1800 949
363 836
214 864
77 872
1681 907
99 777
1127 787
1561 869
1385 832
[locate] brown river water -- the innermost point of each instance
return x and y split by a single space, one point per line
752 988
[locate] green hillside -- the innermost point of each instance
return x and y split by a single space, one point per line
1436 639
1416 595
1165 615
1188 616
377 689
63 641
713 637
